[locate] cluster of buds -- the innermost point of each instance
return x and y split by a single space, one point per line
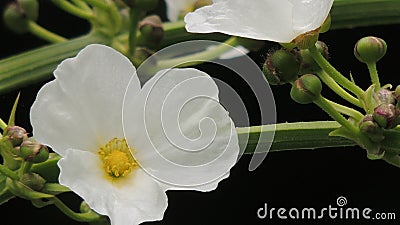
284 65
386 114
25 147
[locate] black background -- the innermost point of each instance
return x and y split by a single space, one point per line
307 178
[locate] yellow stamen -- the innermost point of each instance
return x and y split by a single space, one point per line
117 158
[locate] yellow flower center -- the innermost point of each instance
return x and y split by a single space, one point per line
117 158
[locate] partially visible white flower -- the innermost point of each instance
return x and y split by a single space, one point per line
273 20
79 115
178 8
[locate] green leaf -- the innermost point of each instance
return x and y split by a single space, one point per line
48 169
5 196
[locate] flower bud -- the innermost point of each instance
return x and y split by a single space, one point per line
369 127
281 67
306 89
308 64
151 27
370 49
386 115
33 180
141 54
385 96
16 135
33 152
17 15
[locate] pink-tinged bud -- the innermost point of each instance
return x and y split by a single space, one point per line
16 135
386 115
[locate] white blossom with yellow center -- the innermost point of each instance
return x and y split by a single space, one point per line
274 20
80 116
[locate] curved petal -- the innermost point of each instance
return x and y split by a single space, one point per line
274 20
81 108
182 135
175 8
135 199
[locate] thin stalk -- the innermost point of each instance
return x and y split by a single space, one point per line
134 16
333 73
331 83
328 108
3 125
200 57
374 75
347 110
44 34
72 9
80 217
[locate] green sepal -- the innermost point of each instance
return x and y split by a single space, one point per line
11 120
48 169
368 100
23 191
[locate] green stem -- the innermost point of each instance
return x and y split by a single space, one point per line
9 173
134 16
44 34
80 217
25 168
374 75
72 9
292 136
347 110
331 83
38 65
328 108
3 125
333 73
200 57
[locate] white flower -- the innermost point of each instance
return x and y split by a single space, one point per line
274 20
79 115
175 9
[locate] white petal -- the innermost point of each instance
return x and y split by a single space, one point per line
175 7
81 108
274 20
182 135
135 199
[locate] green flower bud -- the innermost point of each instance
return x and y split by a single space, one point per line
281 67
151 28
370 49
17 15
306 89
308 64
385 96
386 115
16 135
33 152
369 127
33 180
146 5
